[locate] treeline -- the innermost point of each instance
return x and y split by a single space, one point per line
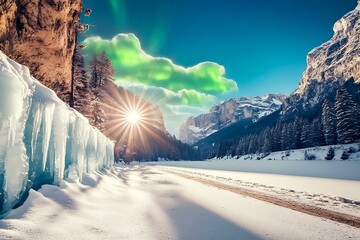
159 145
87 85
169 148
338 122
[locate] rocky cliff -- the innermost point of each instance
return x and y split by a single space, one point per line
40 34
330 65
228 112
339 58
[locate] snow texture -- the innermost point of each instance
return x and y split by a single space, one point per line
41 136
332 194
290 162
146 202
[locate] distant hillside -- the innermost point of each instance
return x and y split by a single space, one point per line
227 113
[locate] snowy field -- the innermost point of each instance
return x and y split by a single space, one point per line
149 202
349 169
322 189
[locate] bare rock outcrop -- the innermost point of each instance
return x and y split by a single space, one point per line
40 34
329 66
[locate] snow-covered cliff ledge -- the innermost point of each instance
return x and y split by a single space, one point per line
41 138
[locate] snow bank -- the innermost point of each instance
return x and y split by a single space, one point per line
41 137
339 153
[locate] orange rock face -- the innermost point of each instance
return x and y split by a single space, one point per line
41 35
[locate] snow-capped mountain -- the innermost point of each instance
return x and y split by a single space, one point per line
228 112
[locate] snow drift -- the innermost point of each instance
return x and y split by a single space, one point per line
42 140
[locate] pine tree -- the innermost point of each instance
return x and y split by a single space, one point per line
101 69
328 119
266 149
357 122
220 149
245 149
252 147
287 137
316 133
345 108
305 137
277 137
296 138
239 148
83 96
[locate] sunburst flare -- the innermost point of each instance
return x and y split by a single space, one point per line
133 124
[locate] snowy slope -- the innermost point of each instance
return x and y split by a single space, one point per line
291 162
341 152
41 138
228 112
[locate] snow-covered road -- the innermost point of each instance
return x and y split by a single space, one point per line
149 202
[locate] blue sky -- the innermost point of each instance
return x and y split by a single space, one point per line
261 44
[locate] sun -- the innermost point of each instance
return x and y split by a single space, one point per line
133 123
133 117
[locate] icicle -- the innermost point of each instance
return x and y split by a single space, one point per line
32 113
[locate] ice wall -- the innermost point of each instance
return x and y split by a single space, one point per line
41 137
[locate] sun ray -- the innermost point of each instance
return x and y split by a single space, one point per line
134 123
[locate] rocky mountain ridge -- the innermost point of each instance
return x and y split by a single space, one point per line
330 65
228 112
339 58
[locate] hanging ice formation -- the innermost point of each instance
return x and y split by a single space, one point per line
41 138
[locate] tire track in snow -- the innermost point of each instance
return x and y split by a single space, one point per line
296 206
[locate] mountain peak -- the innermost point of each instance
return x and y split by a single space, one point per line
338 59
228 112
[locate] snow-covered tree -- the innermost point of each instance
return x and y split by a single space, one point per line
287 136
345 108
266 149
240 147
305 137
101 69
277 137
82 95
296 138
316 134
328 120
252 145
